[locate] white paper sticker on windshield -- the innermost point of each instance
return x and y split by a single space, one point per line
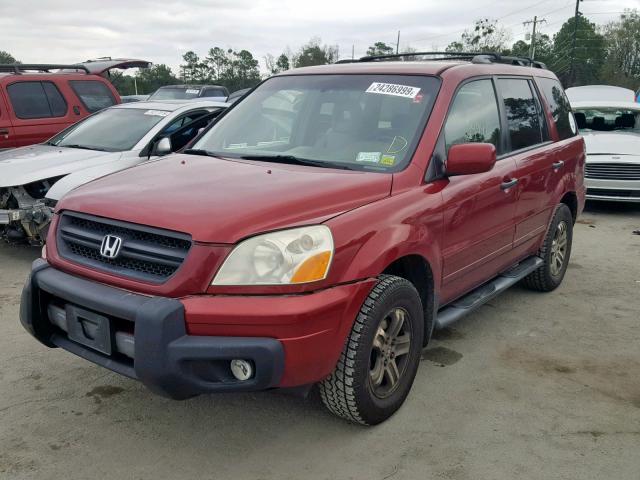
192 91
157 113
369 157
393 89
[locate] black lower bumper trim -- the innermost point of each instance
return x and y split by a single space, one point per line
166 359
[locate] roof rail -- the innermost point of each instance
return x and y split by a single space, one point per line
474 57
19 68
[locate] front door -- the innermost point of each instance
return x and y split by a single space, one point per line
479 218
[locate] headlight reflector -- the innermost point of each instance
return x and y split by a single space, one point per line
298 255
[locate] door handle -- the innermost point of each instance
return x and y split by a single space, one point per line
4 131
508 184
557 165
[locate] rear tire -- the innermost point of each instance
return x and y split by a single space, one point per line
380 358
555 253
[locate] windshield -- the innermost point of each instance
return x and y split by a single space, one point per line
361 122
111 130
175 93
608 119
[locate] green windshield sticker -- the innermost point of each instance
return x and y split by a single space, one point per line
388 160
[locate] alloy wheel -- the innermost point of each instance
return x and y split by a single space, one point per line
390 352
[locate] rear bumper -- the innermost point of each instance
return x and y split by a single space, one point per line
182 348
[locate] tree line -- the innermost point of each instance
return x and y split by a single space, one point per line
608 54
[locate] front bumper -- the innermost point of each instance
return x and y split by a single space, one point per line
183 347
165 359
613 190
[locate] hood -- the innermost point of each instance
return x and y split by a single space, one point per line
606 143
86 175
20 166
223 201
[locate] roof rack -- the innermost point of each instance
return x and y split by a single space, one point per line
19 68
473 57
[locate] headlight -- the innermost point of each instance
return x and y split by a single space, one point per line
299 255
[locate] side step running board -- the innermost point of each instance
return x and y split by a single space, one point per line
481 295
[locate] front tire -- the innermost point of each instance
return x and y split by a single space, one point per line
555 253
381 355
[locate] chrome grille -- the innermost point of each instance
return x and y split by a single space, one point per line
613 171
147 253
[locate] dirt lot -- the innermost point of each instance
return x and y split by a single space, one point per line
542 386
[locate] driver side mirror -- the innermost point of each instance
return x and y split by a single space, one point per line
163 147
470 158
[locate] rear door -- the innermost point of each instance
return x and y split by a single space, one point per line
6 127
479 209
529 144
40 110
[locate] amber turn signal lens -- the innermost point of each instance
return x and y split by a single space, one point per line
312 269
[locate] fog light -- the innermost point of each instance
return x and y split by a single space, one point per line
241 369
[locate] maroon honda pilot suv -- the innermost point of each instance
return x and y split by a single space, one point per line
319 232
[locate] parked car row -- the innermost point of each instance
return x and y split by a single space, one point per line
316 233
34 178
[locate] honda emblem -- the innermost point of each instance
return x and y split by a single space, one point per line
110 247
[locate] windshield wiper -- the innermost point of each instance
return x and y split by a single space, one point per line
84 147
293 160
198 151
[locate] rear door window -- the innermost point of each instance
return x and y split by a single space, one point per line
36 100
560 107
94 95
523 117
474 115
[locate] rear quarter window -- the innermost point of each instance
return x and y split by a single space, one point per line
36 100
560 107
93 94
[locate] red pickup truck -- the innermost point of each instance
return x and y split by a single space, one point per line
39 100
319 231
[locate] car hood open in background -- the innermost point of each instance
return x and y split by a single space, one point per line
612 143
223 201
21 166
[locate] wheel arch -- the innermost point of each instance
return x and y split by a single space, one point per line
570 199
417 270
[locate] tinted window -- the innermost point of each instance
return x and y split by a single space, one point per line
112 130
523 119
360 122
56 100
94 95
560 108
214 92
175 93
474 115
36 100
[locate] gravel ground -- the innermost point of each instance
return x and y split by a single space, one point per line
540 386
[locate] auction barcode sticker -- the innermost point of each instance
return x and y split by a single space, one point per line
393 89
193 91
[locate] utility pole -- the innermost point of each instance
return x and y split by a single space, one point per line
353 52
398 43
573 47
535 21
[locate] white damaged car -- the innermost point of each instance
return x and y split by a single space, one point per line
609 120
34 178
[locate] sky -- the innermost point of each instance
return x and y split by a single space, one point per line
68 31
